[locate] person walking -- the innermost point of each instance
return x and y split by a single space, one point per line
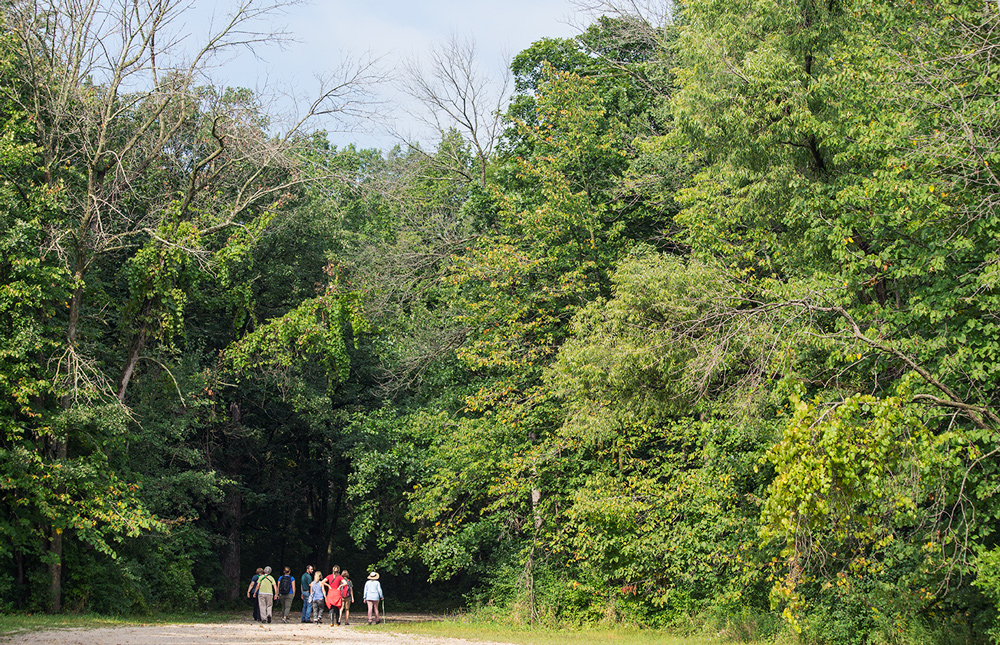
286 593
347 596
252 593
265 594
372 596
333 599
318 595
305 587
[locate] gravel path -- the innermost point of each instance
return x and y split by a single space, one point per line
235 633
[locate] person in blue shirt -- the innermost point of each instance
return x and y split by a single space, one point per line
319 588
252 593
372 595
287 583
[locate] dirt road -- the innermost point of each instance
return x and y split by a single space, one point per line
235 633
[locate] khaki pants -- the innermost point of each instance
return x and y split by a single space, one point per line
264 601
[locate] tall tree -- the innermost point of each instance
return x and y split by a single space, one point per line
841 185
151 173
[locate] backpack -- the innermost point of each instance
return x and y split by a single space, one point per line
285 585
345 589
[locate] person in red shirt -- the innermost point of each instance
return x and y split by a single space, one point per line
333 598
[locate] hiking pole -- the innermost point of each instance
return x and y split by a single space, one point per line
383 610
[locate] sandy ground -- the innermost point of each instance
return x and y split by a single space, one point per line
236 633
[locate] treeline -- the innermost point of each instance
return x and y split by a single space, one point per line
701 330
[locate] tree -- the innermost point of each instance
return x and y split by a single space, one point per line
150 172
457 94
549 239
661 503
77 493
841 185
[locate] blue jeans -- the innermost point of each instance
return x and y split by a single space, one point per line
306 609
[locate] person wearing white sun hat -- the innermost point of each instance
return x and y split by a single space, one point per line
372 596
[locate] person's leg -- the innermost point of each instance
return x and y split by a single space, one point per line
371 608
265 608
347 612
377 619
307 607
317 610
286 606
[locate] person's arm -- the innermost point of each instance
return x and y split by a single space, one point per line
293 584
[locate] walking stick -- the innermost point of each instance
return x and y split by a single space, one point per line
383 610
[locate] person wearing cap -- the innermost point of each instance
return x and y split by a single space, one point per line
372 596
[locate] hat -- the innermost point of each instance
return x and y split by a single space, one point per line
373 576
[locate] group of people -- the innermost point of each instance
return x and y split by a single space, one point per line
334 593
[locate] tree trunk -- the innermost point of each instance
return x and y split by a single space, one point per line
536 492
59 448
55 570
134 352
231 548
536 500
332 530
322 515
19 579
56 545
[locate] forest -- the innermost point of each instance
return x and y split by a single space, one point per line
699 325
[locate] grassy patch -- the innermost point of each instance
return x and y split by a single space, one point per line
14 623
541 635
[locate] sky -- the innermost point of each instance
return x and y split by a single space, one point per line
324 32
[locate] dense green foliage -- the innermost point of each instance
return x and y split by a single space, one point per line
712 341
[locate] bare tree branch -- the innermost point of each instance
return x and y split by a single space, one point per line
457 93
